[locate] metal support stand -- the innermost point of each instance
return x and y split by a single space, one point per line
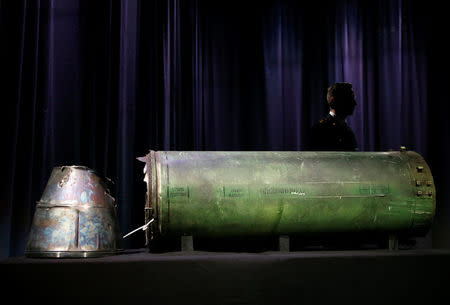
393 243
283 243
187 243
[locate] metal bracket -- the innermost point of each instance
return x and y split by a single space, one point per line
283 243
393 243
187 243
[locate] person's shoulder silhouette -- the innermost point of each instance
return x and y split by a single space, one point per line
332 132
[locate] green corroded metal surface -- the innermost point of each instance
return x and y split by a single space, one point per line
218 193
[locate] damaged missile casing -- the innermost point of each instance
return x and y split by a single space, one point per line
231 193
75 217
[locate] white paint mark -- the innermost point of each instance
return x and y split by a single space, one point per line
300 194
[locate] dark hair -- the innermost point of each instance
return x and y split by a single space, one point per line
340 91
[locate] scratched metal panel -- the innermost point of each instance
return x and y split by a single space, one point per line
75 217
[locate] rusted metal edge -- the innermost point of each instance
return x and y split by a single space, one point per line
157 192
104 181
151 206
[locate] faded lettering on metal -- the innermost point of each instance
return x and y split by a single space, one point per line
367 189
178 192
282 190
235 191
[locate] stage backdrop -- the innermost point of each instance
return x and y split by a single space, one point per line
99 83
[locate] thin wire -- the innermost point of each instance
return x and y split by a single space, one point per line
143 228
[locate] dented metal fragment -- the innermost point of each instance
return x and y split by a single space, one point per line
75 217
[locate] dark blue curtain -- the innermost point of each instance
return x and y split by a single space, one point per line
99 83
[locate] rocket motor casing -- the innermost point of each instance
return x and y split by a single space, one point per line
261 193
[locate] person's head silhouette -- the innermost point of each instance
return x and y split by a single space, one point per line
341 99
332 133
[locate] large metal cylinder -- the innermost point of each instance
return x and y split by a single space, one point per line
220 194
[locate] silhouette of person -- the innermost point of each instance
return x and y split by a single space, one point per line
332 132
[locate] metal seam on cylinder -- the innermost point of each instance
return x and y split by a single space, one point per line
158 195
407 157
77 230
82 206
168 190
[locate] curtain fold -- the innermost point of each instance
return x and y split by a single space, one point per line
99 83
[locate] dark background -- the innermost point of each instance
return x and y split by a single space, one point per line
100 83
